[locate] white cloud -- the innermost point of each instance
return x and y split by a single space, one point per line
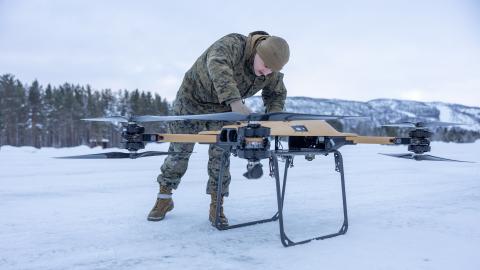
358 50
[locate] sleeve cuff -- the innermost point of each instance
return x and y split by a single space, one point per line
229 101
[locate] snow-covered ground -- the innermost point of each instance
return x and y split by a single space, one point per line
91 214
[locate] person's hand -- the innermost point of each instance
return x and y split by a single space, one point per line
239 107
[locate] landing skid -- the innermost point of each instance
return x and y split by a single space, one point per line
280 188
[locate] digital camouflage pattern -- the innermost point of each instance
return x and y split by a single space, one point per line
175 166
222 74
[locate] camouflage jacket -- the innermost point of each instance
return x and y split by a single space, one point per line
224 73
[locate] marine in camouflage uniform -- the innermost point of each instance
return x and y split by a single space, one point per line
223 74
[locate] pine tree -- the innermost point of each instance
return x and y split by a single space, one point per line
13 110
50 112
3 104
35 114
135 105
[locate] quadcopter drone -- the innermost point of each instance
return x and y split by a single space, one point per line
250 137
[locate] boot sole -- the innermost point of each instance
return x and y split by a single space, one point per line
221 225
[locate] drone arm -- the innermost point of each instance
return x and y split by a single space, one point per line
372 140
187 138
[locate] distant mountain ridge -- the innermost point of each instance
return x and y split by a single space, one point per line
384 111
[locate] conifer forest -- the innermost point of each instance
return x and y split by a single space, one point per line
50 116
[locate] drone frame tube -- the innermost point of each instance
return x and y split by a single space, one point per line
371 139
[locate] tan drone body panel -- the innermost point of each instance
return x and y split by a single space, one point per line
286 128
281 129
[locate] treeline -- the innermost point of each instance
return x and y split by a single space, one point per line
50 116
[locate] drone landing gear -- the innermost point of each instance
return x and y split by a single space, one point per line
217 224
281 198
280 188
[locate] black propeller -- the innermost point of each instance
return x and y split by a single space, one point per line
287 116
113 119
226 116
432 124
124 155
423 157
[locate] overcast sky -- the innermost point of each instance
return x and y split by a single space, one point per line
356 50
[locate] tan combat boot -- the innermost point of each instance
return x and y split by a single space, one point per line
223 221
163 204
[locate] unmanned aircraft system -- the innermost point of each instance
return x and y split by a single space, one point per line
272 136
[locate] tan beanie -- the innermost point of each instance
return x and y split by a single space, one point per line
274 52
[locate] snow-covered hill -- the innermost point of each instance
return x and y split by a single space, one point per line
383 111
91 214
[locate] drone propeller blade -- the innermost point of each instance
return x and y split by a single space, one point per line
157 118
423 157
404 124
227 116
100 156
422 124
352 117
233 117
112 119
434 158
123 155
437 124
287 116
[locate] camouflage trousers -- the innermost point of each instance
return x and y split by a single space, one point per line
175 166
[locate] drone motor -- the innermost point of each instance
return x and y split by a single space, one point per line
132 137
249 142
419 141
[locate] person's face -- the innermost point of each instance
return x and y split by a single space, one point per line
259 67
